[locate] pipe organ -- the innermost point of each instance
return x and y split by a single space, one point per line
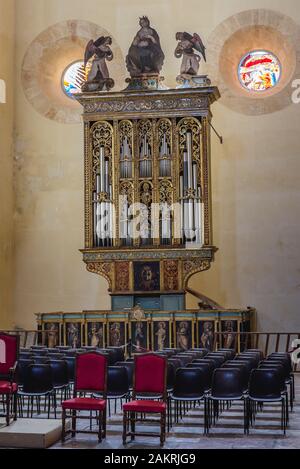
147 187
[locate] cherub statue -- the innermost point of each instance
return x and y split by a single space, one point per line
98 78
145 56
185 49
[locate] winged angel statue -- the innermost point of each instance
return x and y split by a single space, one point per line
186 49
98 78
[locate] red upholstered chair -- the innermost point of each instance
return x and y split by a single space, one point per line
150 379
9 350
90 378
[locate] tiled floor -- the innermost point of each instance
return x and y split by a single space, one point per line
188 433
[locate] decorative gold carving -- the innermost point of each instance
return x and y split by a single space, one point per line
194 266
137 313
170 273
102 136
122 276
144 105
104 269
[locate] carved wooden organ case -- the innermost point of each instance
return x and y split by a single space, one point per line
147 187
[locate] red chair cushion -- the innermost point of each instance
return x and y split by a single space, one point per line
8 352
84 403
150 374
157 407
8 388
90 372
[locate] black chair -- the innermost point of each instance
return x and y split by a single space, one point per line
267 385
176 362
40 352
25 355
203 351
188 388
70 353
41 359
37 384
230 352
62 348
245 372
289 376
60 378
207 373
227 386
21 370
185 359
243 361
129 365
117 385
254 360
70 361
218 359
213 363
260 352
119 351
55 356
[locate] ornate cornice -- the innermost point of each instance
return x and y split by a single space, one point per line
131 255
169 101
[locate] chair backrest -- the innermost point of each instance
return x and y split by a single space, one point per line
229 352
286 361
266 384
42 359
39 352
227 383
91 372
130 370
245 371
119 351
117 381
9 350
60 376
70 361
38 379
150 374
218 359
255 356
22 368
189 383
273 366
185 359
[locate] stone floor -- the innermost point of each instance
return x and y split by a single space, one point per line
188 433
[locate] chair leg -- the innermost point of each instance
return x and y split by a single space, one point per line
124 427
73 423
15 406
162 429
100 418
7 409
63 432
132 425
104 423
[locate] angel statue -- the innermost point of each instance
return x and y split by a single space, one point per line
98 78
145 56
186 49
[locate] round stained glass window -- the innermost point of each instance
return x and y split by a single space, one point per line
73 77
259 70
